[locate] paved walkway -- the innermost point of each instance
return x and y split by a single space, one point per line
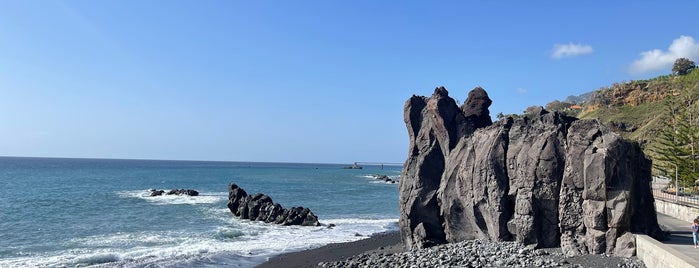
680 235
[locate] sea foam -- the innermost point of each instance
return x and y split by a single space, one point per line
202 198
239 242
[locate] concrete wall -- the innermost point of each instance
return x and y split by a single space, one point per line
681 212
657 255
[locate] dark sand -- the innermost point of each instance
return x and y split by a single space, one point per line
384 242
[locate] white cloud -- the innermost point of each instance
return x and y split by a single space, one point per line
521 91
570 50
656 59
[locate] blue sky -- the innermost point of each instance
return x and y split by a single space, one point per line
301 81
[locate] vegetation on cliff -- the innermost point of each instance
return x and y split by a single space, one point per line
658 113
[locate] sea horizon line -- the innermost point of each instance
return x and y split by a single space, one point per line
372 163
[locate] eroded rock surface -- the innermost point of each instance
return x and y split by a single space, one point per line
550 180
260 207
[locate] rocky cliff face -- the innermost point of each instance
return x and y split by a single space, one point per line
633 93
548 181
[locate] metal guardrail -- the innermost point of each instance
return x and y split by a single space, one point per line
681 199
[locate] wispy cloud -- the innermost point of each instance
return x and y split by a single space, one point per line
656 59
521 91
570 50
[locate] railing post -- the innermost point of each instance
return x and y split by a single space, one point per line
677 188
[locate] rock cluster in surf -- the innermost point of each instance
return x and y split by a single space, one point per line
384 178
259 207
189 192
546 180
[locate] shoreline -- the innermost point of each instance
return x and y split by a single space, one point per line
386 249
386 242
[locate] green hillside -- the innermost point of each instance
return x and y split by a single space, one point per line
638 109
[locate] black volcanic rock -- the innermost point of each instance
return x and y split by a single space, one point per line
548 181
260 207
189 192
154 192
476 107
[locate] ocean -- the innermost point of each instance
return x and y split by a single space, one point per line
58 212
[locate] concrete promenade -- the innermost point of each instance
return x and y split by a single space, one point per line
681 235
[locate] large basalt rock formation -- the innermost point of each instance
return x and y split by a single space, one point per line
260 207
550 180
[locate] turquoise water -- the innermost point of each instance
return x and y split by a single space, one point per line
95 212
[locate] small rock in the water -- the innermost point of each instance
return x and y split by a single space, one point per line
154 192
189 192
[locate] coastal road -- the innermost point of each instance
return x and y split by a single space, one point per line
680 235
